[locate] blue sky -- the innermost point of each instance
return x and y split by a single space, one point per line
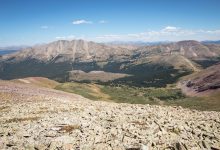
28 22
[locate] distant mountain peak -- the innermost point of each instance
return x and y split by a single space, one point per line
81 50
188 42
75 50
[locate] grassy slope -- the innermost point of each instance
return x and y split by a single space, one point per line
201 103
137 95
90 91
38 81
130 94
126 94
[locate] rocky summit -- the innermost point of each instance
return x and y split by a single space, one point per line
38 118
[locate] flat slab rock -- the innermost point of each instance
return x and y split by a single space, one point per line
53 120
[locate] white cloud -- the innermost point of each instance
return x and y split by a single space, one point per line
134 35
70 37
60 37
170 29
211 31
44 27
109 36
81 21
103 21
169 33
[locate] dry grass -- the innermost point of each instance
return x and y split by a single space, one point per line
95 76
22 119
38 81
139 123
44 108
4 108
5 96
74 109
45 111
90 91
58 110
69 128
97 92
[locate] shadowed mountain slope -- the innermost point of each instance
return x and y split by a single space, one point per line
202 83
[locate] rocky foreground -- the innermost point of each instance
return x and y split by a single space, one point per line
39 118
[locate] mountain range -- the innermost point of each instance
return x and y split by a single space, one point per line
146 64
80 50
13 47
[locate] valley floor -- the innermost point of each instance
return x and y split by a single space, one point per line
120 93
33 117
